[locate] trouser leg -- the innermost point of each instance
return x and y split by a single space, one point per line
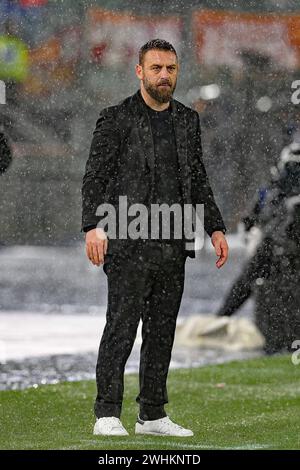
127 283
158 331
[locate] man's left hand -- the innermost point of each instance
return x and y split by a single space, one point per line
221 247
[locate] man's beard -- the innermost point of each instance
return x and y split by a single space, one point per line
160 94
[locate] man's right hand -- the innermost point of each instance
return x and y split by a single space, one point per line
96 243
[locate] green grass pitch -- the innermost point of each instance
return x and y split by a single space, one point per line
253 404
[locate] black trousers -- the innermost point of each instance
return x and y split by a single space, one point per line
145 283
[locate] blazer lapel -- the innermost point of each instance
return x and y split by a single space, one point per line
144 132
180 131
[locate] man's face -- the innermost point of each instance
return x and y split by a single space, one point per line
159 74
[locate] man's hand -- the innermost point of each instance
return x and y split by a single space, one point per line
221 248
96 243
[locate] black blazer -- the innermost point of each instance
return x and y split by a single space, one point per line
121 162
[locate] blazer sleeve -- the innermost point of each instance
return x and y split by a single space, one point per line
100 167
201 189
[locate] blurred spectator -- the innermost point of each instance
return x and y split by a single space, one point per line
277 217
278 296
13 61
5 153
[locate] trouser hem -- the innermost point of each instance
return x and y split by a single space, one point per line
107 410
150 413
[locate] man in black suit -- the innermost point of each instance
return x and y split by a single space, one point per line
147 148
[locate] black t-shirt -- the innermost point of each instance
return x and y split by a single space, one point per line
167 174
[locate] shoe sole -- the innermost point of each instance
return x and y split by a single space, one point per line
152 433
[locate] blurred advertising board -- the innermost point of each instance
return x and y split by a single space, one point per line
32 3
114 38
220 37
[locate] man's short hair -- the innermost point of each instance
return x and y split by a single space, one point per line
159 44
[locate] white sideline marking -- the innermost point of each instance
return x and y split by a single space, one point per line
147 443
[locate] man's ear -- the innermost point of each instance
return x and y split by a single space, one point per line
139 71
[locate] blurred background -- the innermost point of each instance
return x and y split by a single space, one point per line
63 61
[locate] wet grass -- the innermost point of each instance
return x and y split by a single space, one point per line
253 404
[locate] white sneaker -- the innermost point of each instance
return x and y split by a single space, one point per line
110 426
161 427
